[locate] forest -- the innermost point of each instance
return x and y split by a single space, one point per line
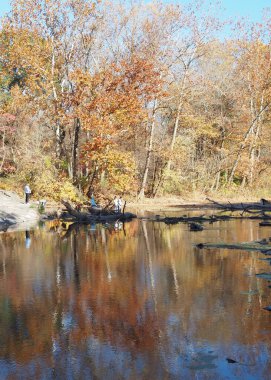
139 98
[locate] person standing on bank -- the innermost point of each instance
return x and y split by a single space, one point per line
116 205
27 192
92 201
119 204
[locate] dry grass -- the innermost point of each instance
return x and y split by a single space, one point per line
197 199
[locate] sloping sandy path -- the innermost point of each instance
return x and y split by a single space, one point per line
13 211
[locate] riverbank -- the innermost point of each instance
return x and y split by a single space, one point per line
192 201
14 213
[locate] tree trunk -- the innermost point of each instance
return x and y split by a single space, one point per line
75 148
252 154
176 126
243 143
175 130
60 136
4 151
148 156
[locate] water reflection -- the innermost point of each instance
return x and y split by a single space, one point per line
27 239
132 301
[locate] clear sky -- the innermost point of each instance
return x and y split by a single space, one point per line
233 8
4 6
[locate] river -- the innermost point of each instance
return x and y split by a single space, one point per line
133 301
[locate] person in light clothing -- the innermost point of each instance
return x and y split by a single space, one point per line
116 205
119 204
27 192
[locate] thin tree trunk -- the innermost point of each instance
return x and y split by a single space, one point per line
75 148
60 136
252 153
4 151
167 165
244 181
175 130
59 131
243 144
90 187
53 70
148 156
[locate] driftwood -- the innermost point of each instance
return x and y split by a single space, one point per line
102 216
263 205
263 246
208 219
256 211
265 224
190 219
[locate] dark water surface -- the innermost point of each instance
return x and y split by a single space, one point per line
133 302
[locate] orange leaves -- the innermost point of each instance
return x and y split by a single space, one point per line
91 150
114 98
110 104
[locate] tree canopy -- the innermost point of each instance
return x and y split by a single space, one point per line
132 97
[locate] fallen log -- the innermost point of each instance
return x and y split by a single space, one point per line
103 216
265 201
261 206
265 224
262 246
206 219
193 219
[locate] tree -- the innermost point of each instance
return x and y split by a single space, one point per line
254 71
7 130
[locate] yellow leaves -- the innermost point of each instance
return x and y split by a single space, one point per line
47 185
17 99
201 126
117 167
120 170
25 59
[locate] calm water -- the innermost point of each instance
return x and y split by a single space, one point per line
133 302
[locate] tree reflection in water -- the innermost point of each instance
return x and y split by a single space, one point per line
137 301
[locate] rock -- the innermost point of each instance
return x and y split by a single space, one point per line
195 227
231 361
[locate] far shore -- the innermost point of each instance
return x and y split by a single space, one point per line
198 201
15 214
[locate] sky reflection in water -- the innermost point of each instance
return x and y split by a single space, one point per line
133 301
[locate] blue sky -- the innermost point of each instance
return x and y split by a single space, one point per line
4 6
233 8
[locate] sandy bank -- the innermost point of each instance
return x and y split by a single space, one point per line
14 213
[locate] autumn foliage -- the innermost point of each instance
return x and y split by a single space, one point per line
132 98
